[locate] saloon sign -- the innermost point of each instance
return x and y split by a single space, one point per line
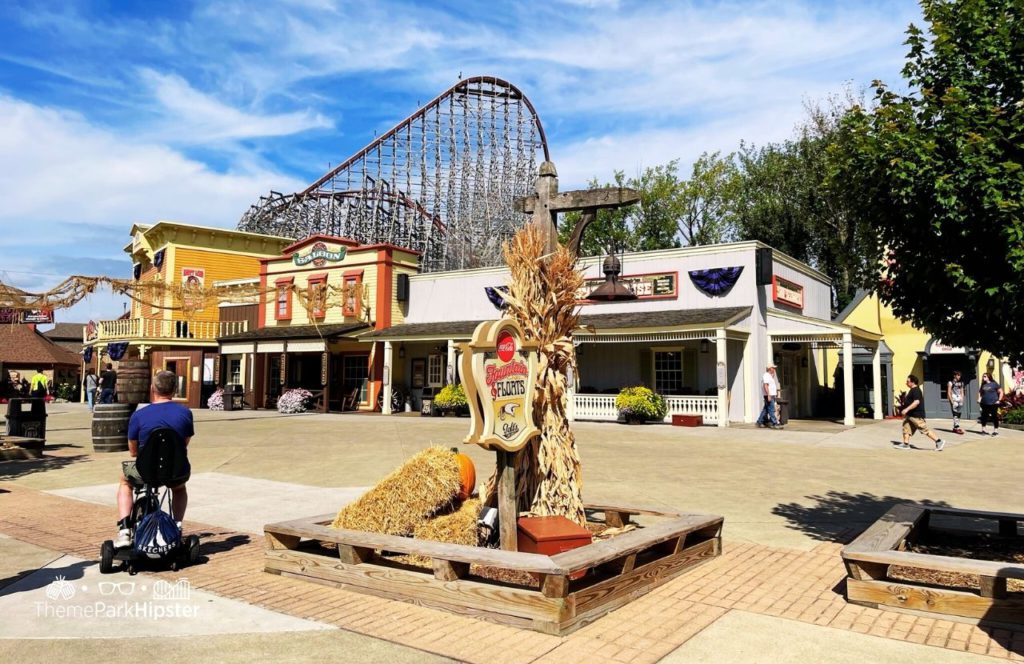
319 254
499 370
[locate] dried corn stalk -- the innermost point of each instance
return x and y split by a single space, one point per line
542 299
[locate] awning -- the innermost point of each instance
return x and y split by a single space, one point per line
293 339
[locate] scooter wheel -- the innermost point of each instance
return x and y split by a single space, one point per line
107 557
193 549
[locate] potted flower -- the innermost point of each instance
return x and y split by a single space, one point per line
452 399
294 401
640 404
216 400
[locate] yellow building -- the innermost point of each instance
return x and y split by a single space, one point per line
319 295
161 330
909 350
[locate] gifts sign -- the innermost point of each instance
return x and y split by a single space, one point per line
500 370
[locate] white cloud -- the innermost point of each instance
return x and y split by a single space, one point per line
71 188
196 118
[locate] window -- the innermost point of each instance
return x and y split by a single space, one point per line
351 295
179 367
668 372
283 300
316 292
355 372
435 370
235 371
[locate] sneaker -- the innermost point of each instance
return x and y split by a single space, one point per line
958 431
777 426
124 539
995 433
939 444
901 446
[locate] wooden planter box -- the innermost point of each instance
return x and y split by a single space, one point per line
868 560
687 420
617 571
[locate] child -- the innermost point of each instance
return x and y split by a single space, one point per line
955 394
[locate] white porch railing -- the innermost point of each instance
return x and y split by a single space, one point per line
145 328
601 407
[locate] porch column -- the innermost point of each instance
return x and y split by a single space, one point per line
388 379
722 380
451 374
876 380
847 379
748 380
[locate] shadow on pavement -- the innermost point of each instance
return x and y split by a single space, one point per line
13 470
214 543
45 577
839 516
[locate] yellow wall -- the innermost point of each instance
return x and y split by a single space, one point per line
903 339
219 266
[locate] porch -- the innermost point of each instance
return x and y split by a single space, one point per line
601 407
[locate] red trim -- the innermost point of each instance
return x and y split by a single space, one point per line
353 273
791 285
385 277
261 312
317 277
287 281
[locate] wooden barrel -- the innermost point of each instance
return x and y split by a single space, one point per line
110 427
133 381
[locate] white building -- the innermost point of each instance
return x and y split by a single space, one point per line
706 323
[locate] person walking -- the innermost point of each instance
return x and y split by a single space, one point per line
989 395
955 394
108 381
913 416
92 383
770 391
40 385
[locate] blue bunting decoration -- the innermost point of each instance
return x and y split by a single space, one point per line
137 271
716 281
87 354
117 350
158 259
496 294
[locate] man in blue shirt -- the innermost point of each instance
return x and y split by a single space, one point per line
161 413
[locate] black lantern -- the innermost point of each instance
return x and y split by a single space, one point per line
611 290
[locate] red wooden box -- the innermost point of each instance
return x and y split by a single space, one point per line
687 420
549 535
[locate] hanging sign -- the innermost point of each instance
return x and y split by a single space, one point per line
319 255
787 292
499 372
193 279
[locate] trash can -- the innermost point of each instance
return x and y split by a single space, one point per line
233 397
26 418
783 412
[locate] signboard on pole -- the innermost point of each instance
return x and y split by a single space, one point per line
499 371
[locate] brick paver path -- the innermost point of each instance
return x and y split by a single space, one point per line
797 585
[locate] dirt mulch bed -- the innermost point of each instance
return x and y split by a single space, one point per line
973 547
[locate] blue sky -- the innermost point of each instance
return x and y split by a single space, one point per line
113 113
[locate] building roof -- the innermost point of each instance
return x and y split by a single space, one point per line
21 344
601 322
65 332
298 332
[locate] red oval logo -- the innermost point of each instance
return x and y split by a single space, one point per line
506 346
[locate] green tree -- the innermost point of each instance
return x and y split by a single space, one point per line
671 211
941 170
789 196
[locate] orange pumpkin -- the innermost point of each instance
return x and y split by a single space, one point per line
467 474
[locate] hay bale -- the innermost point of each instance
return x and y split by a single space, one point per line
424 485
457 526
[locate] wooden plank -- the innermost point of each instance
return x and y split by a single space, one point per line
633 541
418 587
641 509
938 563
629 563
354 555
616 519
555 585
277 541
886 533
935 600
981 514
445 570
643 578
527 562
864 571
508 514
991 586
568 201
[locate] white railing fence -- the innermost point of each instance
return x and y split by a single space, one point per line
601 407
145 328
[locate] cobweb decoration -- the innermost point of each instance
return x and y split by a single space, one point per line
716 281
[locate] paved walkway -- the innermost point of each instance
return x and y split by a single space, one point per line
790 499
